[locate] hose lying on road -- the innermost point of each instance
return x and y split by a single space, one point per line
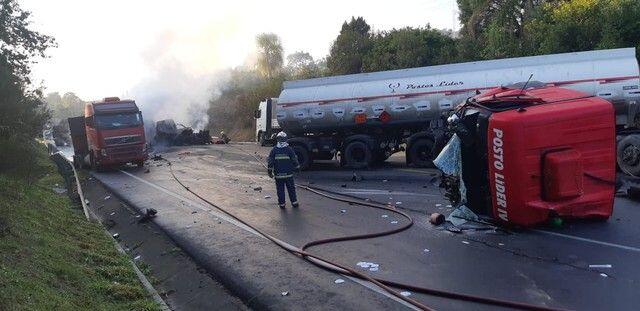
336 267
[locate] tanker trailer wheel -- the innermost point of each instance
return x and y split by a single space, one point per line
628 155
262 139
303 156
357 155
421 153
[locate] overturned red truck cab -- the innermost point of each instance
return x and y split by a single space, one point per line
110 133
530 155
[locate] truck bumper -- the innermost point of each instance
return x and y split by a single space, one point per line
122 154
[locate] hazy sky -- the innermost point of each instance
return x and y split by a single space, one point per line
112 47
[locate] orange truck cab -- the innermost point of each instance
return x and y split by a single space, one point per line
110 133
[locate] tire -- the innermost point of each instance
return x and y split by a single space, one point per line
357 155
304 158
421 153
628 155
94 166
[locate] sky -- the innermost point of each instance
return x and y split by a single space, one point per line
118 47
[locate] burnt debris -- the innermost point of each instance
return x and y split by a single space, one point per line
170 133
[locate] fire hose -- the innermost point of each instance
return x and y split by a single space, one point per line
333 266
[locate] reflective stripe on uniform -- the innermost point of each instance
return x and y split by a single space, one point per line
282 157
284 176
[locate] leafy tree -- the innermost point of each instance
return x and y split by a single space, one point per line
349 48
409 47
495 28
18 43
300 65
63 107
580 25
270 54
22 111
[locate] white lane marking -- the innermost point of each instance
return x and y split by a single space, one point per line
385 192
198 205
573 237
366 284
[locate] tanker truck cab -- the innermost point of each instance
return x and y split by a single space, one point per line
115 133
266 122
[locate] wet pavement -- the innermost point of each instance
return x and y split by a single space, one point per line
543 267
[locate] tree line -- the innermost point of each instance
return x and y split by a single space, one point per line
23 113
491 29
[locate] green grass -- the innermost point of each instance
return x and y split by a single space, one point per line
51 258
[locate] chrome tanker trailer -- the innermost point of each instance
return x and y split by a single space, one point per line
364 118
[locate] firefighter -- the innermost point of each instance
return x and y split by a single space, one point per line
282 162
224 137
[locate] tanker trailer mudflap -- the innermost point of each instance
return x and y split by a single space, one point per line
78 134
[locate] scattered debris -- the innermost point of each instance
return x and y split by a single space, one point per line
257 189
406 294
343 211
436 219
355 177
398 203
426 250
634 193
116 235
284 293
149 214
107 197
184 153
394 222
338 281
146 171
112 213
454 229
385 216
465 242
600 266
384 180
157 157
59 190
137 258
438 205
461 215
167 132
267 197
501 244
604 275
194 212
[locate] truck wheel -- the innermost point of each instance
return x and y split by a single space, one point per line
628 155
421 153
94 166
303 156
357 155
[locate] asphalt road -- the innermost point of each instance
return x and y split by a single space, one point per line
543 267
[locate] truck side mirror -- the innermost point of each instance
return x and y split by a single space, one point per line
257 114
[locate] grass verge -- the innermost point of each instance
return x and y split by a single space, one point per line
51 258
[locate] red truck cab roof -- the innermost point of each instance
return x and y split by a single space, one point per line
110 105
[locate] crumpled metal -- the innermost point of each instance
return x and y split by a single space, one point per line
449 161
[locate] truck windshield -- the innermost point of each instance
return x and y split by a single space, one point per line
118 120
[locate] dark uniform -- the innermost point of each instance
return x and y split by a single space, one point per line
282 162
